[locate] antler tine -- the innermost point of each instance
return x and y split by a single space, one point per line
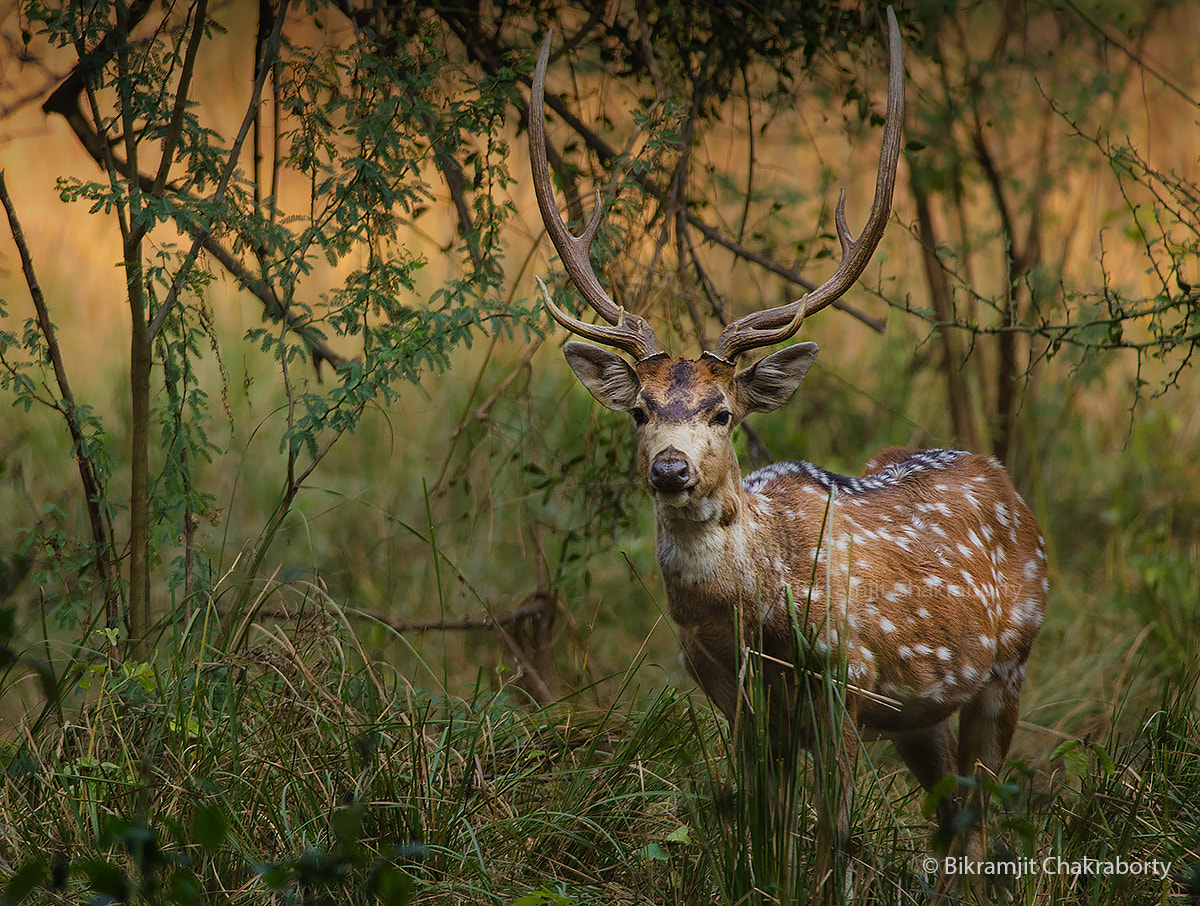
762 328
624 330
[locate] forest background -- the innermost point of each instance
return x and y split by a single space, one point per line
323 581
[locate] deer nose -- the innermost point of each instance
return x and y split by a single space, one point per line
669 472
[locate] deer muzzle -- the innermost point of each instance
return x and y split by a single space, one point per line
670 472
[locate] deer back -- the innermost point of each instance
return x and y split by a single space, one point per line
924 577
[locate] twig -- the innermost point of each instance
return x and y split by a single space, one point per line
888 701
483 410
530 607
175 129
230 165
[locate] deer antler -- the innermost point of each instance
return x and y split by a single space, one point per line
773 325
624 330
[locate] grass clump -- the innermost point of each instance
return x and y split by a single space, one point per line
296 767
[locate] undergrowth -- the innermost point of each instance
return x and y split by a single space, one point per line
294 766
305 750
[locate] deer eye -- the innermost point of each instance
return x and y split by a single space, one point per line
722 418
639 415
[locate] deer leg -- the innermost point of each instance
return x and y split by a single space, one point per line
986 725
929 754
988 721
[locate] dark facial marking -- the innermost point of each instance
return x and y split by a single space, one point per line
682 406
683 376
679 390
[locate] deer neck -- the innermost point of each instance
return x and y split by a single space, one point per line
730 552
705 547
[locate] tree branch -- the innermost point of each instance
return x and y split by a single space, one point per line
89 476
230 165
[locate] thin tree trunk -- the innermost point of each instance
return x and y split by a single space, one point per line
962 416
140 362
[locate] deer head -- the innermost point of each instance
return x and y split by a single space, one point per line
685 410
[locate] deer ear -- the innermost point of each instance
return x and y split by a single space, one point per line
607 376
771 381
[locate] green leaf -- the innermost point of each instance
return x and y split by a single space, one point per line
23 881
1063 748
393 885
681 834
105 878
655 853
1075 762
210 827
1104 758
945 787
185 889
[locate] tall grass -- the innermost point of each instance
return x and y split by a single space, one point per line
295 766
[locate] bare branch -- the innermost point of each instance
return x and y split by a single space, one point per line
89 475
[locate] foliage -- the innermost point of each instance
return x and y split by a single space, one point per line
1020 111
315 232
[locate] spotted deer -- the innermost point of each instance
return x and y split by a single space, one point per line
923 581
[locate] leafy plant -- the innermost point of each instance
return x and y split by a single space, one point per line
355 131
